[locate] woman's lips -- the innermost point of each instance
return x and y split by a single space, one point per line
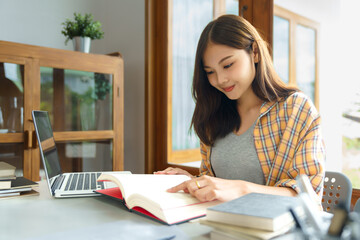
229 89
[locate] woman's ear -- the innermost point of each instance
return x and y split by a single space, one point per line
255 50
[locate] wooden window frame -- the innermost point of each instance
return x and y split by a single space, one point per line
294 20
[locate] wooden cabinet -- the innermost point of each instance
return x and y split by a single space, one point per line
83 94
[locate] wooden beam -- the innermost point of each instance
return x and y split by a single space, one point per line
260 14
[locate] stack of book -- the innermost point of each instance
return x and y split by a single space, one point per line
10 185
252 216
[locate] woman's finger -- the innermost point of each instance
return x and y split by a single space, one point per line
181 186
165 171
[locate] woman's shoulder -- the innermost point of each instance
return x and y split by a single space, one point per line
298 101
297 95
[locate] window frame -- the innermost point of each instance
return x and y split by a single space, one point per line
294 20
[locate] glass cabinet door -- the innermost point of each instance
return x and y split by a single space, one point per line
79 101
12 114
76 100
11 97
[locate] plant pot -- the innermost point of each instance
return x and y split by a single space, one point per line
82 44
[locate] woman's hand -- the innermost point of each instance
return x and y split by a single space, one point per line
174 171
206 188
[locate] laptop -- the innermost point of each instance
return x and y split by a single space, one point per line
63 185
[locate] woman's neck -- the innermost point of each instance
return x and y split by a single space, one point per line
249 103
249 110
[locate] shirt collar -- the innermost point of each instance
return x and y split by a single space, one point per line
266 107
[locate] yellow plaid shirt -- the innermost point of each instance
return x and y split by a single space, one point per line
288 142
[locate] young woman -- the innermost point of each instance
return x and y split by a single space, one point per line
256 133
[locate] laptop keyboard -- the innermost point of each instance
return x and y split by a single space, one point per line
83 181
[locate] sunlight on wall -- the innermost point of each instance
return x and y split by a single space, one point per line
350 32
350 81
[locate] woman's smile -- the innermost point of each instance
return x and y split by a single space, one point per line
229 89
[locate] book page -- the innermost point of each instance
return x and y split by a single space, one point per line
162 199
144 184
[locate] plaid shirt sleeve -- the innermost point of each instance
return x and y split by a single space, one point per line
289 142
205 167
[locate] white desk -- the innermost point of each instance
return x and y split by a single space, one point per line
44 217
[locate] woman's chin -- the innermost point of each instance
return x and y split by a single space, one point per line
231 96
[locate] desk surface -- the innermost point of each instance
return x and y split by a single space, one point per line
44 217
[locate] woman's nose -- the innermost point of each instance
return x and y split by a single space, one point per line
222 78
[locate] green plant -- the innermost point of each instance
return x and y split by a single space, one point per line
82 26
102 86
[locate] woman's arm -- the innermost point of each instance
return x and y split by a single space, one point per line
303 144
206 188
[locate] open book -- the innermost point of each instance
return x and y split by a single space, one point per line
146 194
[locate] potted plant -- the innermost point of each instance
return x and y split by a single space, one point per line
82 30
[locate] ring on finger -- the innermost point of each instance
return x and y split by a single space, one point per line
198 184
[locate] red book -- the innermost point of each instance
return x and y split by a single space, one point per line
146 194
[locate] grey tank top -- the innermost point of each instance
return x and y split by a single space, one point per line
235 157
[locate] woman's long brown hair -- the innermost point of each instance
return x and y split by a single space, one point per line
215 115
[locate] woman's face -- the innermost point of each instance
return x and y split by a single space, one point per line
229 70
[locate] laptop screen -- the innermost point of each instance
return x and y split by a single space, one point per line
46 141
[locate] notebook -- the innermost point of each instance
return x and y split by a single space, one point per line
63 185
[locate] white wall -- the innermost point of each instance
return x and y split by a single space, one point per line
328 14
38 22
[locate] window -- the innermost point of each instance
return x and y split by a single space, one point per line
173 30
295 51
187 23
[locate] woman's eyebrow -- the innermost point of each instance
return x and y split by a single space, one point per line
223 59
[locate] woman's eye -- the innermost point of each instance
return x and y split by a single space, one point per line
229 65
209 72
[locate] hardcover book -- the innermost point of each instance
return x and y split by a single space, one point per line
255 210
146 194
21 182
237 232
